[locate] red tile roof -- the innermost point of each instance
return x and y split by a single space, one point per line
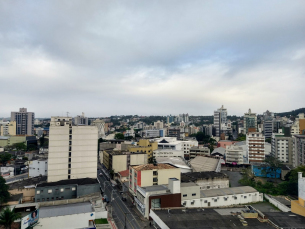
124 173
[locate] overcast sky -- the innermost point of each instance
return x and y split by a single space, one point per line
151 57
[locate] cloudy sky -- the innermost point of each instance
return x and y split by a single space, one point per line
151 57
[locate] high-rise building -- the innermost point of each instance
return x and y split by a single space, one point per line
100 126
282 147
255 147
220 120
81 120
8 128
250 122
268 124
72 150
24 121
158 125
170 119
299 150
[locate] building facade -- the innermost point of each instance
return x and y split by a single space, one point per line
268 124
235 155
298 150
250 122
145 146
38 168
282 148
255 147
220 120
81 120
72 150
24 121
8 129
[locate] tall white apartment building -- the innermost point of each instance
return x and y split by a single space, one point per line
24 121
250 122
81 120
72 150
220 120
282 147
255 147
158 125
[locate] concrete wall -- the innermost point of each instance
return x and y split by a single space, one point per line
37 168
119 163
67 221
277 204
146 178
28 193
164 174
83 190
215 183
190 192
138 159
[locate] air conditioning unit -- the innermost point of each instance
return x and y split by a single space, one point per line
193 201
184 203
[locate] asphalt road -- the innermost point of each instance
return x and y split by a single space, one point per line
18 177
118 206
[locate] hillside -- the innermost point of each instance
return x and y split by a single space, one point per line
291 113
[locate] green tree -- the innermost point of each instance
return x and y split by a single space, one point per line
4 158
119 136
111 172
241 137
152 160
4 194
20 146
274 164
8 216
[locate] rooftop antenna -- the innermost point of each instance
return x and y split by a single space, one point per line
68 113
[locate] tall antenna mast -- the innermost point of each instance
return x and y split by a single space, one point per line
68 114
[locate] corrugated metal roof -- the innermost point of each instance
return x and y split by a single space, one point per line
66 209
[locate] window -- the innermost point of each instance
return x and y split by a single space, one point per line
245 197
61 189
42 199
193 194
184 195
67 189
73 189
38 192
155 179
156 203
205 201
155 173
50 191
215 200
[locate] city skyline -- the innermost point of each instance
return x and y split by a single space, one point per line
150 58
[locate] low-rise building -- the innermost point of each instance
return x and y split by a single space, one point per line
282 147
206 180
298 150
235 155
66 189
38 168
120 161
150 174
298 206
198 151
144 145
168 153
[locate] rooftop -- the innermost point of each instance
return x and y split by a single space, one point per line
154 188
286 219
226 191
175 161
27 182
66 209
187 177
124 173
200 164
195 218
152 166
82 181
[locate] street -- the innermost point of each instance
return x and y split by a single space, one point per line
119 208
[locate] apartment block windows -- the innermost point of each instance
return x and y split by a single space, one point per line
156 203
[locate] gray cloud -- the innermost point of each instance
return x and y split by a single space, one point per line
160 57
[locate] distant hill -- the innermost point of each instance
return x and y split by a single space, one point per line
291 113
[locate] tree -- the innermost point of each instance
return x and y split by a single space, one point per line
241 137
119 136
20 146
274 165
8 216
4 194
152 160
4 158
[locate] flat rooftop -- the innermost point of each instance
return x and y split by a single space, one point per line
152 166
227 191
187 177
286 219
200 164
154 188
195 218
175 161
66 209
27 182
83 181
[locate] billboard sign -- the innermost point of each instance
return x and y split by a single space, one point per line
30 220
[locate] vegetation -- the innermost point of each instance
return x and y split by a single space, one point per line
4 194
8 216
291 113
17 146
287 187
152 160
119 136
101 221
4 158
241 137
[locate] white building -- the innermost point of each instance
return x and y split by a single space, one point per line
7 171
221 121
255 147
38 168
151 133
282 148
72 150
81 120
236 155
168 153
100 126
193 197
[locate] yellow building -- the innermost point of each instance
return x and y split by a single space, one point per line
8 129
145 146
119 161
298 206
